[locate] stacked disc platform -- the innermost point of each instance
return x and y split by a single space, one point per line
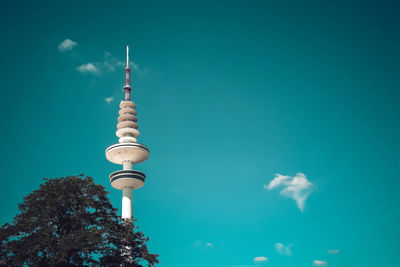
127 152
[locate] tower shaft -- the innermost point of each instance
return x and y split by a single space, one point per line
127 195
127 203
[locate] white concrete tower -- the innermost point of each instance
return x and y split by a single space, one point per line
127 152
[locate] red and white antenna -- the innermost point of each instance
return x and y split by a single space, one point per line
127 86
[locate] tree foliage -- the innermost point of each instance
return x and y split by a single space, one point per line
71 222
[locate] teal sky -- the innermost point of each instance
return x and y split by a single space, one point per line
229 94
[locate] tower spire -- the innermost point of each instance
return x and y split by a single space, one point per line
127 56
127 87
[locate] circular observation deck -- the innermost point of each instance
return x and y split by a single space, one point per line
127 178
133 152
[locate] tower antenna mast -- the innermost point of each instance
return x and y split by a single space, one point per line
127 87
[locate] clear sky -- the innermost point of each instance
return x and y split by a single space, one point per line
229 94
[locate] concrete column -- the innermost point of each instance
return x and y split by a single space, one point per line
127 165
127 201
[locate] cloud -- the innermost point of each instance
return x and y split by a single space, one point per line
199 243
282 249
139 70
88 68
333 251
297 187
107 63
110 64
261 258
96 67
319 263
278 180
109 99
67 45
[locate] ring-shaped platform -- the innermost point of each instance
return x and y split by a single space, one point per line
127 111
126 104
127 117
127 124
127 132
127 178
133 152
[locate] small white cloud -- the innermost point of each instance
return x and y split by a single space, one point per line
282 249
67 45
109 99
261 258
199 243
88 68
297 187
319 263
333 251
107 64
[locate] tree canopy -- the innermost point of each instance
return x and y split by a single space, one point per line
70 222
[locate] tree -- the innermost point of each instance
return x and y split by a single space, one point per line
71 222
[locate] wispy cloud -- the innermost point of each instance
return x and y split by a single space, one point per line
319 263
67 45
283 250
333 251
297 187
277 181
199 243
261 258
109 99
110 64
139 70
105 63
88 68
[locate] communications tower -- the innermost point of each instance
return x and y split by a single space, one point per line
127 151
